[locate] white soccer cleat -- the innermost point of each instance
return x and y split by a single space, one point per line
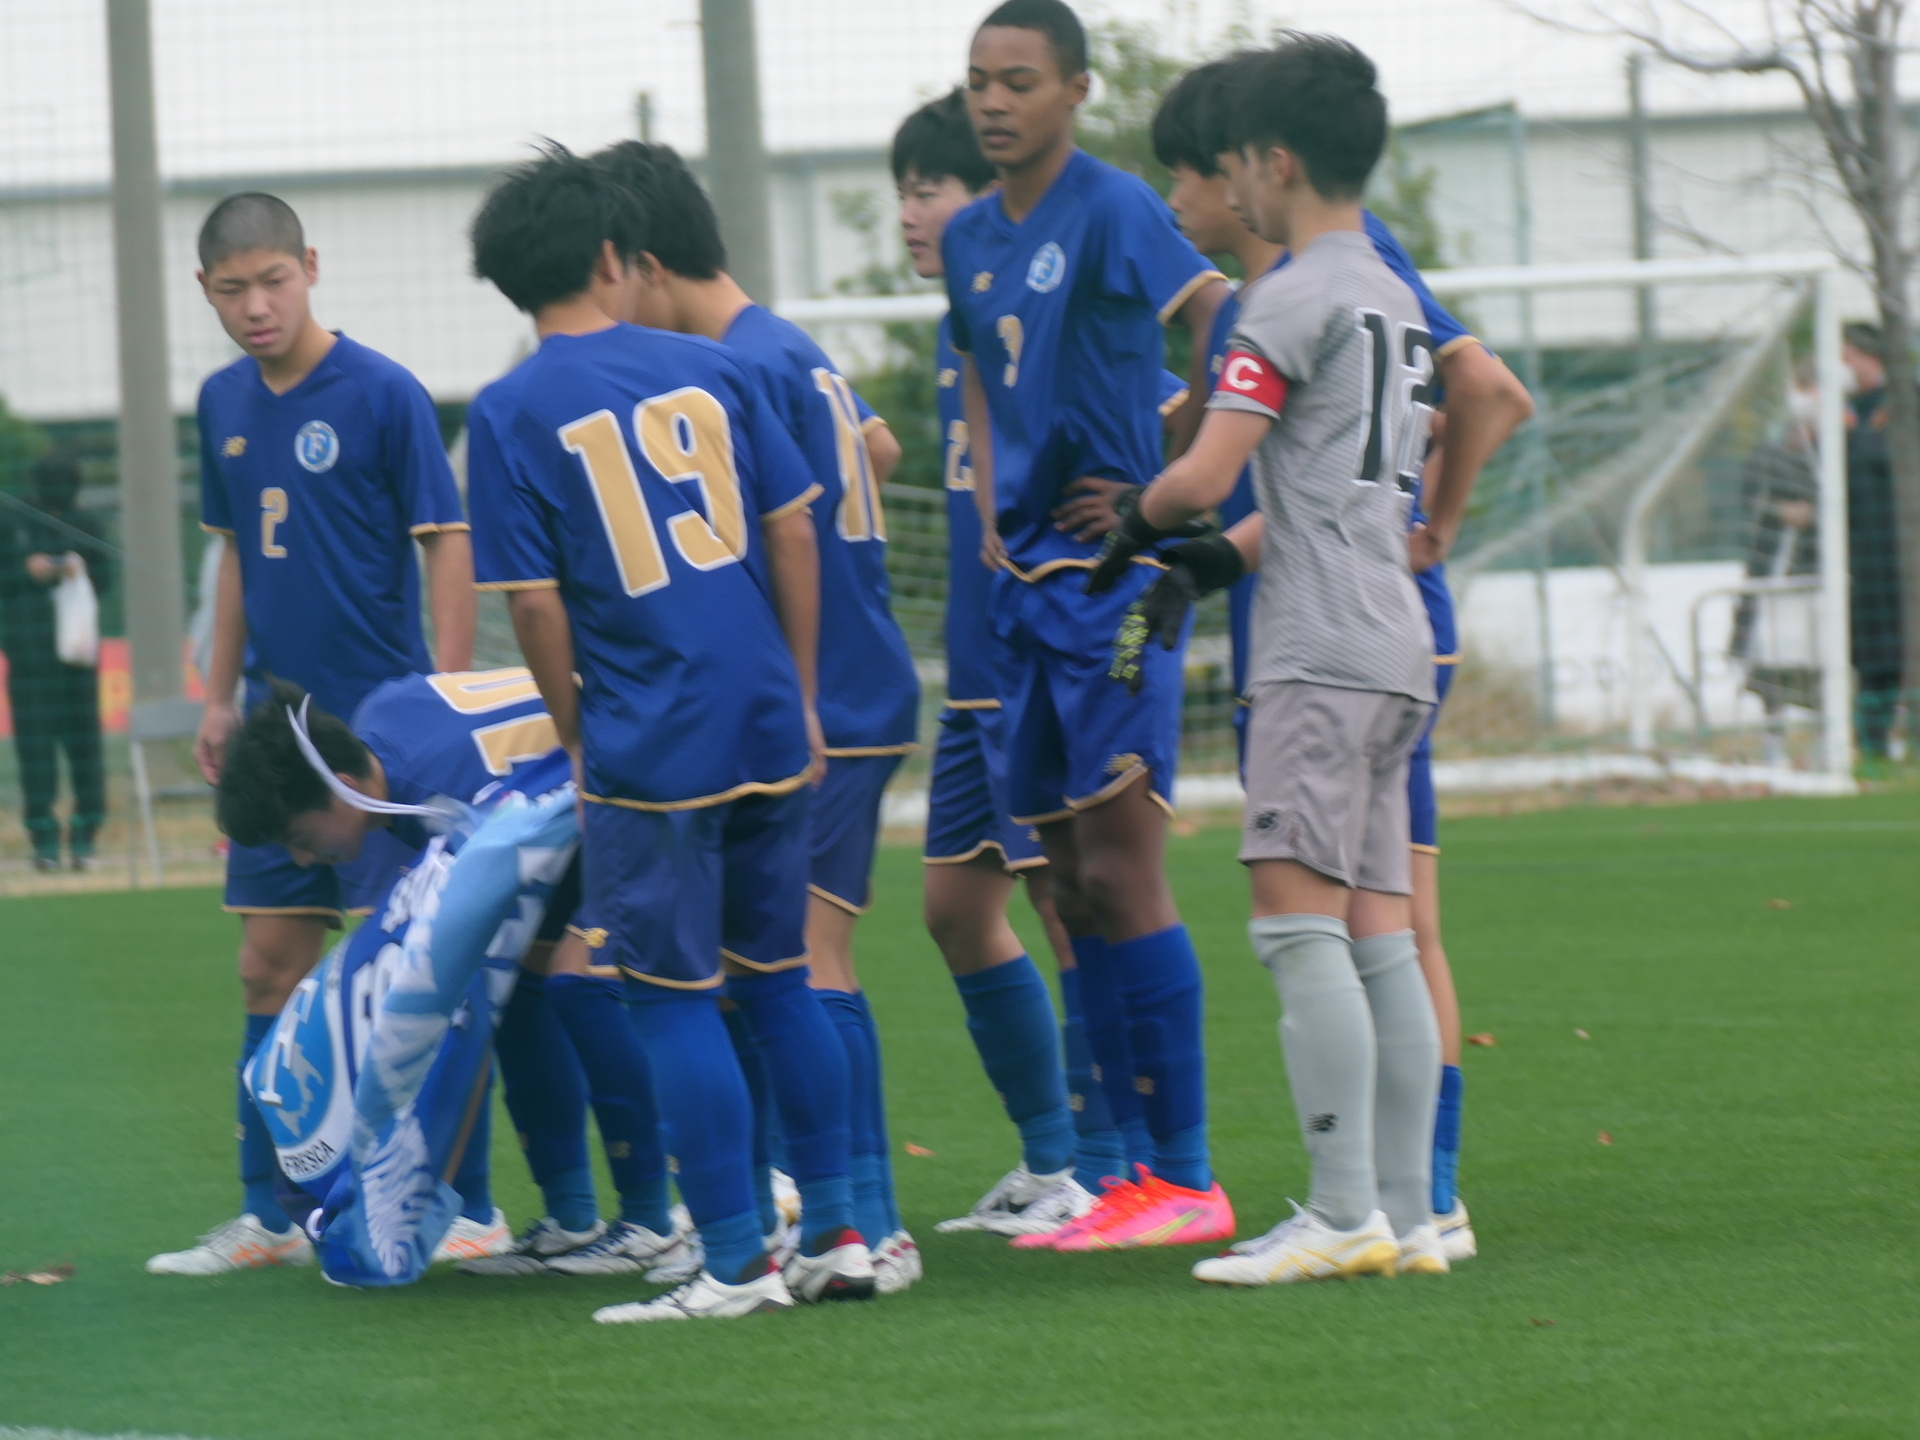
843 1271
1421 1253
896 1263
474 1239
538 1244
625 1248
1022 1203
1305 1247
242 1243
1456 1233
704 1298
783 1244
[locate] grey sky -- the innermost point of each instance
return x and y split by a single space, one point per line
251 86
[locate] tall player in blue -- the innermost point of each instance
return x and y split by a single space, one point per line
1483 403
322 465
869 693
1059 285
647 516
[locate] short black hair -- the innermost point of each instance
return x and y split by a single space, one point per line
682 229
1183 126
251 220
1315 95
55 477
1066 36
540 229
1866 337
264 779
937 141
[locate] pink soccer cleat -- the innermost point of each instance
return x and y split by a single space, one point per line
1119 1193
1155 1213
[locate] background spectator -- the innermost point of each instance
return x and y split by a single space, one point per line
1872 540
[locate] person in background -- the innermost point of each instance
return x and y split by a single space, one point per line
56 706
1873 547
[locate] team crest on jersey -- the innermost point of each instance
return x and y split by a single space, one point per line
316 447
1048 269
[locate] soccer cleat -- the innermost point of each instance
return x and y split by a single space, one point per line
1421 1253
896 1264
842 1271
625 1248
1157 1213
1456 1233
1118 1193
538 1244
475 1239
783 1244
1003 1209
704 1298
1305 1247
242 1243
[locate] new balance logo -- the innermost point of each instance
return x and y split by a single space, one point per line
1266 820
1322 1124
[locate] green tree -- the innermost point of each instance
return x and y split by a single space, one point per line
1134 73
1402 195
21 443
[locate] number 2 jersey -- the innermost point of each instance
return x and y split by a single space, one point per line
632 469
1334 348
869 693
321 492
1062 313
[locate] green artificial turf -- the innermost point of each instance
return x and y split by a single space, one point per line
1739 1261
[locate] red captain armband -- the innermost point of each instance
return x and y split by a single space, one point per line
1251 377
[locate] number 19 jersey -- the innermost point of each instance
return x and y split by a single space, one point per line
632 469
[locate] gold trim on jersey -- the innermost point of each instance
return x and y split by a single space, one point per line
1174 401
1040 572
331 914
867 425
855 752
799 502
1453 659
1052 817
1424 849
449 528
516 584
751 787
216 529
758 968
1186 292
973 854
1454 344
846 905
952 704
714 984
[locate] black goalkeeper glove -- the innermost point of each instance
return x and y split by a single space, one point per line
1195 570
1134 534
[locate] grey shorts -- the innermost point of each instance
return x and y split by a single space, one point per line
1326 778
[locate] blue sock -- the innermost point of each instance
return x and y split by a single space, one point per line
1159 977
1104 1019
258 1163
1010 1017
1446 1139
878 1099
474 1177
593 1012
1099 1148
755 1074
806 1062
708 1119
872 1205
546 1092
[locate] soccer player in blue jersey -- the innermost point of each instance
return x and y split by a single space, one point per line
322 464
464 736
646 513
1482 404
869 693
1059 285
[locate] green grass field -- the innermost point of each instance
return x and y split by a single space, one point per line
1739 1261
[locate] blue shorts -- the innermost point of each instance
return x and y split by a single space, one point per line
1074 736
666 894
264 880
844 828
967 811
1424 808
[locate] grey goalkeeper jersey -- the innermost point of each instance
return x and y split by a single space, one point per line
1333 345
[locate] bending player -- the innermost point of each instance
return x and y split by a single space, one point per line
321 463
1483 404
1328 375
1058 285
690 618
869 693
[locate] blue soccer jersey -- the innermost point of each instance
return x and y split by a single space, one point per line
631 469
459 734
320 491
1062 314
869 693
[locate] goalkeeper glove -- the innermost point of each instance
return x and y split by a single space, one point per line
1134 534
1195 569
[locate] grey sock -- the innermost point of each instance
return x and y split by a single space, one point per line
1407 1087
1326 1035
